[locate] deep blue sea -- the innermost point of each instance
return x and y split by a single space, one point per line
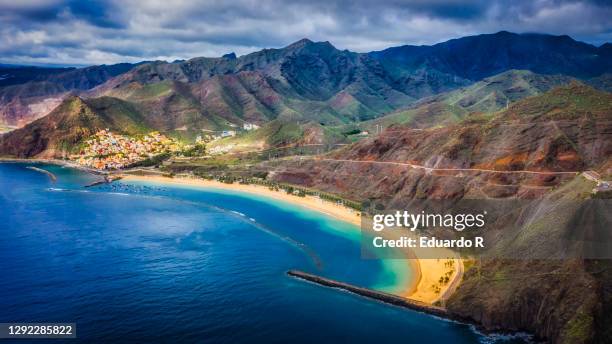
142 262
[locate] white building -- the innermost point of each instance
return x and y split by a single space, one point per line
249 126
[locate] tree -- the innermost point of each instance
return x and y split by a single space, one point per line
198 149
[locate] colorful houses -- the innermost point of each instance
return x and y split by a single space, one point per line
106 150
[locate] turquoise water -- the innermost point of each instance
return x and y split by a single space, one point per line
141 262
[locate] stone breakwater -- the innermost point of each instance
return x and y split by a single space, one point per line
372 294
105 180
51 175
405 303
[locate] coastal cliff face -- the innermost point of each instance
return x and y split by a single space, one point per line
568 129
557 301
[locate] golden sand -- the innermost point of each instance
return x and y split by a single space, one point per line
329 208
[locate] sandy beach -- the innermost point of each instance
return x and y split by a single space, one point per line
426 272
332 209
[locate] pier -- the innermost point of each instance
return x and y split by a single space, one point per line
372 294
51 175
105 180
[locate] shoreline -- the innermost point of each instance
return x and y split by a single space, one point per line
425 272
57 162
331 209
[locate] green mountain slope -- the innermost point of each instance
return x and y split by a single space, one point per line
59 133
280 133
28 93
305 80
487 96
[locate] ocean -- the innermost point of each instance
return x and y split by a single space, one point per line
143 262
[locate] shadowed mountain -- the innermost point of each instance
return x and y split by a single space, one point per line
14 75
27 93
477 57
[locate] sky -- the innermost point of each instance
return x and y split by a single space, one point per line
78 33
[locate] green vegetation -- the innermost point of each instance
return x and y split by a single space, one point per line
152 161
288 188
280 134
580 328
199 149
487 96
572 101
151 90
119 115
283 133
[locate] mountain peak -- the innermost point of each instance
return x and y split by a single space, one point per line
74 99
504 33
230 56
300 44
606 47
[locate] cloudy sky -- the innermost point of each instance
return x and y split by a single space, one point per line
45 32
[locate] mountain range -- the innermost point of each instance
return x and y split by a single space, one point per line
307 82
480 56
28 93
306 79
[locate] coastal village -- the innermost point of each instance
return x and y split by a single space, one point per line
107 150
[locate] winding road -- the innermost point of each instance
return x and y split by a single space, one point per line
431 169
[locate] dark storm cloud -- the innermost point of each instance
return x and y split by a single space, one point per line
109 31
99 13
